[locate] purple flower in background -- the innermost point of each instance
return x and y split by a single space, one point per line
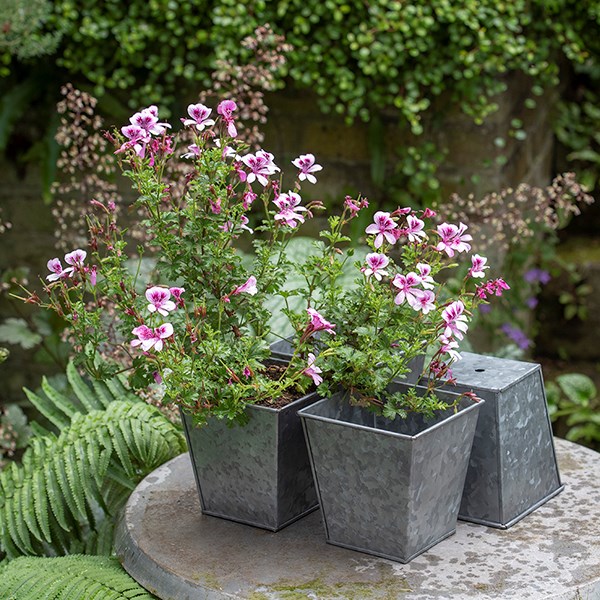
531 302
516 335
537 275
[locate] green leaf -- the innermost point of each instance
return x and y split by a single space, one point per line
60 401
46 408
85 395
578 388
16 331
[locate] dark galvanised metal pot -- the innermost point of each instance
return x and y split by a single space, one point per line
513 468
258 474
388 488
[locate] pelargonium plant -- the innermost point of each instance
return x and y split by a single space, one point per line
400 312
198 325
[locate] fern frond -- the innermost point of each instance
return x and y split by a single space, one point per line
119 389
60 401
53 414
102 392
69 485
56 506
69 578
83 392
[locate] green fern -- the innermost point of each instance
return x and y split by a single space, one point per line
68 578
59 408
64 496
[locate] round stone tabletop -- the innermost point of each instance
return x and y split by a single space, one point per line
174 551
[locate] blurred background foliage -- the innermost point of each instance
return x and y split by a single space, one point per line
408 62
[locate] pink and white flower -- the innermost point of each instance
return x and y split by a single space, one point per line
248 198
318 322
225 109
76 258
414 229
289 209
244 224
57 272
248 288
177 292
449 346
383 228
159 298
426 279
147 119
149 338
453 238
137 138
261 166
306 164
455 320
376 264
199 116
229 225
193 151
407 284
424 301
478 266
312 370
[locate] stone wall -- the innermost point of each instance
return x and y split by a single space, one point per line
474 162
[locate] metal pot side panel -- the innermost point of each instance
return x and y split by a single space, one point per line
513 467
387 494
258 474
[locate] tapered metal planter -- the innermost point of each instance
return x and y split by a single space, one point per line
259 473
513 468
388 488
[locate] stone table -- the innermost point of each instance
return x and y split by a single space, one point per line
174 551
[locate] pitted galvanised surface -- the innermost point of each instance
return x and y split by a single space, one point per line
513 467
167 545
390 488
258 473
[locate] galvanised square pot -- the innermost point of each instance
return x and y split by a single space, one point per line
258 474
513 468
388 488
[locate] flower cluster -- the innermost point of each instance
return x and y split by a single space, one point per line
201 324
75 260
401 310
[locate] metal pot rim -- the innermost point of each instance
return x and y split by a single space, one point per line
306 413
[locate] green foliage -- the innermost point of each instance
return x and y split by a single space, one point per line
150 47
418 58
65 494
16 331
573 398
68 578
578 128
22 24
